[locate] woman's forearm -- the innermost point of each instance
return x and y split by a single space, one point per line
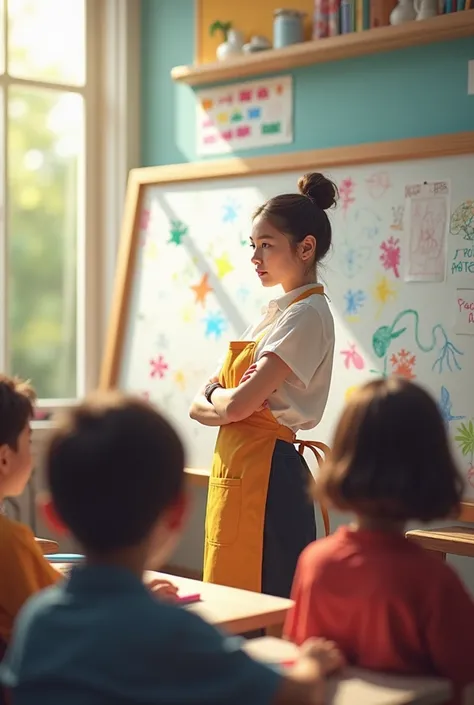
205 413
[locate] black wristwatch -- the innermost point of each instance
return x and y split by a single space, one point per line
210 389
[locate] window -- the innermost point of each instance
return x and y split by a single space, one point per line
63 170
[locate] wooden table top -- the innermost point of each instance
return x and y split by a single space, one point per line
356 686
455 540
237 611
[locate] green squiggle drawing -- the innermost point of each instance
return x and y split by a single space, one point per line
384 335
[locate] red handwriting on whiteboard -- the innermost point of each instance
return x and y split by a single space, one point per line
243 131
245 96
227 135
467 306
262 93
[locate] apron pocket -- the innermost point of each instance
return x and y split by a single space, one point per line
223 510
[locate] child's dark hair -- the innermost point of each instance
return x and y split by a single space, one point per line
390 457
300 214
16 409
113 466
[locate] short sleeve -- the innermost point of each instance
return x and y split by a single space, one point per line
301 340
205 666
28 571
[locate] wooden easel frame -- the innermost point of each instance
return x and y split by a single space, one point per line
375 153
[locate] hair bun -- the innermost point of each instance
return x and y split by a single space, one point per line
322 191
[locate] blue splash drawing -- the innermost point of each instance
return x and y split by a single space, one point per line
354 299
445 406
354 259
231 211
243 293
215 325
367 224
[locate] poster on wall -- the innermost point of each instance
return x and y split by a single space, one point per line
464 317
427 212
244 116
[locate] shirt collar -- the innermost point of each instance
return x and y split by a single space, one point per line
284 301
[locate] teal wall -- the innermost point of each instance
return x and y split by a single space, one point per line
409 93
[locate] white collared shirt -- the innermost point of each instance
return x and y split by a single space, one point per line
302 335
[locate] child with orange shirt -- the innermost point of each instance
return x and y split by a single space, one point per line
388 604
23 568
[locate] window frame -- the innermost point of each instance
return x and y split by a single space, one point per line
111 115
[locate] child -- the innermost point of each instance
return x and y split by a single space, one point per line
115 471
388 604
23 568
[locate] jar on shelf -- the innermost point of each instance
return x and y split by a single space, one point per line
287 27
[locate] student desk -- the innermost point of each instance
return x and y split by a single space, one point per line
237 611
355 686
456 540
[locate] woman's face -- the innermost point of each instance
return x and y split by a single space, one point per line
274 259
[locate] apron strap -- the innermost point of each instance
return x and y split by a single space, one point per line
317 447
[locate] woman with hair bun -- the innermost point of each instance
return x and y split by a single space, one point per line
273 383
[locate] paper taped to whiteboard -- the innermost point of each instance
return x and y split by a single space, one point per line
464 320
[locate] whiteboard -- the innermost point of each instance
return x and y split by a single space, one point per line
193 288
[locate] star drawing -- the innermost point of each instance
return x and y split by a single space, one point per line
202 290
177 231
158 367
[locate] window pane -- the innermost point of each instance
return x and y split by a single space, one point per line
45 203
46 40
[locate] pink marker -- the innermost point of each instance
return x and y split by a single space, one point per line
188 599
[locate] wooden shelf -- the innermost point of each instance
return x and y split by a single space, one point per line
346 46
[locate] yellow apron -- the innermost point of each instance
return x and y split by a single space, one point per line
235 514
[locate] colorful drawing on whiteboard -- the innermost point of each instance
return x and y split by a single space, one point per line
352 358
403 364
398 213
365 224
151 249
350 391
230 211
462 220
223 265
215 325
346 193
445 406
353 258
158 367
180 380
355 300
447 352
390 255
177 231
378 184
188 314
383 293
465 441
243 293
144 219
201 290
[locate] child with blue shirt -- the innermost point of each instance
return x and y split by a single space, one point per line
115 472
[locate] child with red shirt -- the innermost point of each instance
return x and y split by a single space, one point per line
388 604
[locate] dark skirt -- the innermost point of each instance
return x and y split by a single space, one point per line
290 523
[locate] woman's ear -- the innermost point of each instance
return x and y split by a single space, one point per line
50 516
307 248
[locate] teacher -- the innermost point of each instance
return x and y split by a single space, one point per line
274 382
